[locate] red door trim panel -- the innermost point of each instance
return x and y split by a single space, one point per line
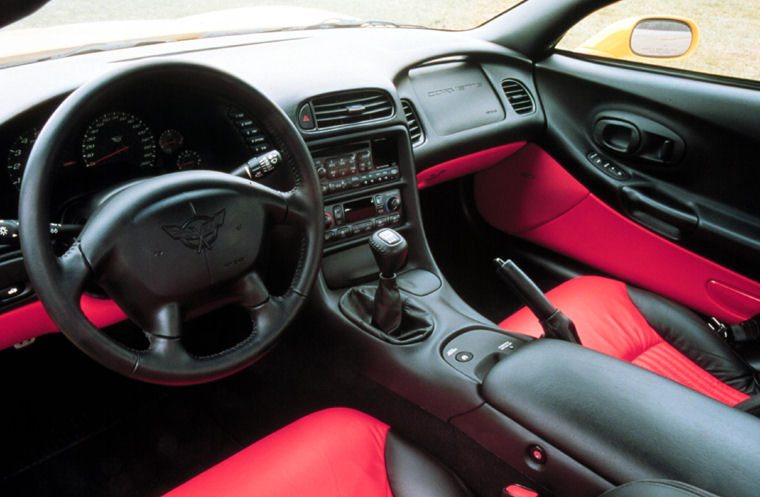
594 233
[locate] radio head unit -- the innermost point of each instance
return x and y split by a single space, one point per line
357 165
354 218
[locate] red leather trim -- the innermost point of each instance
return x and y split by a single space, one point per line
516 490
467 164
31 320
525 192
594 233
336 452
608 322
732 298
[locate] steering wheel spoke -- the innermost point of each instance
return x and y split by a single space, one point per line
272 201
251 290
74 272
268 316
165 322
167 352
300 209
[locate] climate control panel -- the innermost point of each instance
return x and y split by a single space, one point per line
354 218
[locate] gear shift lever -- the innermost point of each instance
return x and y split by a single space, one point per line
390 250
382 310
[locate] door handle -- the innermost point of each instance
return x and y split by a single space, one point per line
617 135
638 138
664 215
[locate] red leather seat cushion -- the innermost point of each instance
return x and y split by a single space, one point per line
331 453
607 321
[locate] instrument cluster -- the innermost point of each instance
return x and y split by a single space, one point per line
135 139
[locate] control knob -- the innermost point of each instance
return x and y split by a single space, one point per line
393 204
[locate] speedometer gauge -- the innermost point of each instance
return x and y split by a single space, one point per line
18 155
118 138
189 159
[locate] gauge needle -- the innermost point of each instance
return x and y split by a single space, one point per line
108 156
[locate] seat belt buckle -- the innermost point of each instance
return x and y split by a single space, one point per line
517 490
719 328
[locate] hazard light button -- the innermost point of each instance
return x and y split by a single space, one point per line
305 117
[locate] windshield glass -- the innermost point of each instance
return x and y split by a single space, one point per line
68 25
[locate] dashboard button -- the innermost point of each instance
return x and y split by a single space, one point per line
305 117
463 356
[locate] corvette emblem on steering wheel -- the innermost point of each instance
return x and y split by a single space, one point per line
198 232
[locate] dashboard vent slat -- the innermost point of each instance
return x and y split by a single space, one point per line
351 108
413 123
519 97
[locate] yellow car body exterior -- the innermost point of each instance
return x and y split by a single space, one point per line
615 41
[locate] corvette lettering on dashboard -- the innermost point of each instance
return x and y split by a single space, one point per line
454 89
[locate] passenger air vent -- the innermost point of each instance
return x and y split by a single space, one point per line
351 108
413 123
518 96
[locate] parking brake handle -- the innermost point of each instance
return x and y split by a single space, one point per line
552 320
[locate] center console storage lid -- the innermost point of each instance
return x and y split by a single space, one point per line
626 423
657 488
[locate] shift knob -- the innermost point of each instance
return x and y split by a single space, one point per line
390 250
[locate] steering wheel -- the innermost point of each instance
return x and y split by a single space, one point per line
172 246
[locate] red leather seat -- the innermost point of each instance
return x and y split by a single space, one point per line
649 331
335 452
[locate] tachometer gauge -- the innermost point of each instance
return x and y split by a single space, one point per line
189 159
118 138
170 141
18 155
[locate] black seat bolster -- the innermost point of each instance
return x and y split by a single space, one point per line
691 336
657 488
751 405
413 473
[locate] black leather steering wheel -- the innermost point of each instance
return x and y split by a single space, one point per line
173 246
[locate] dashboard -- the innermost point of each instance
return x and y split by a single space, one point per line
406 100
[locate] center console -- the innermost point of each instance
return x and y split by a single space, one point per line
554 411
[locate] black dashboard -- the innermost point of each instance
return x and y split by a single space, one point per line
375 106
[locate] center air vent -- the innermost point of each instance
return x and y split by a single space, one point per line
412 122
351 108
518 96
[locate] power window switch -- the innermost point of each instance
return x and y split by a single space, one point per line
595 159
